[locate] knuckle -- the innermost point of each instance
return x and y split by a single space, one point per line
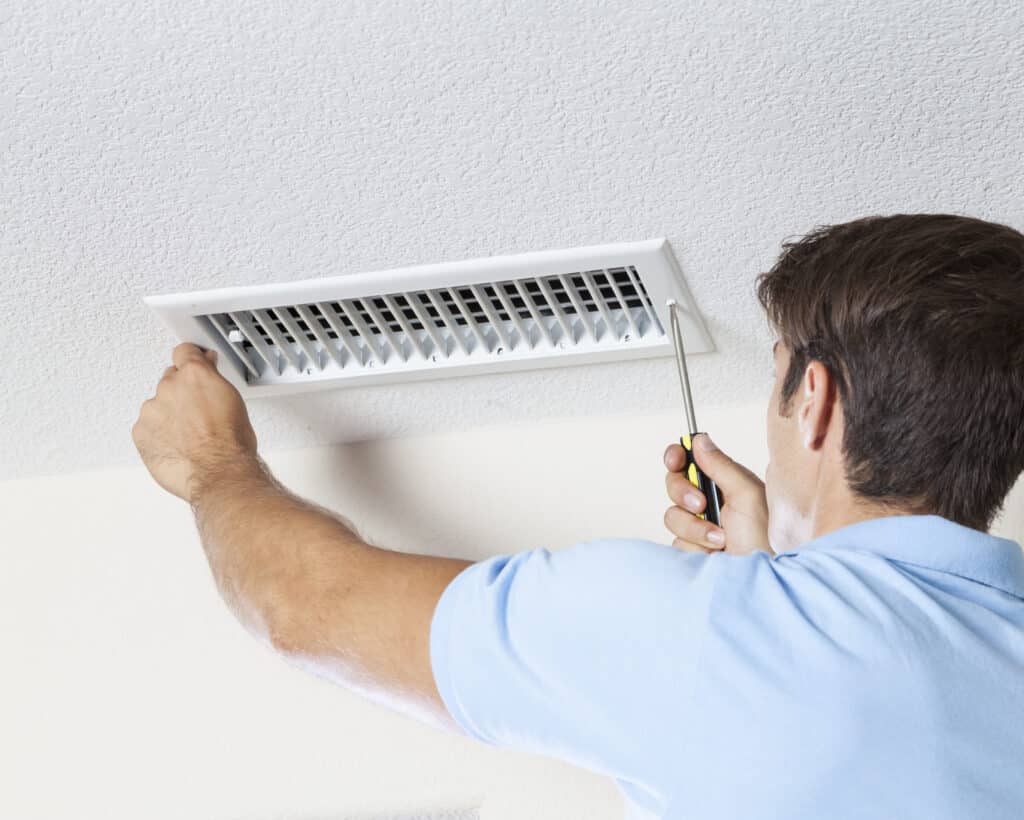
149 409
191 368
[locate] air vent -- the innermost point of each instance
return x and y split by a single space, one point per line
540 309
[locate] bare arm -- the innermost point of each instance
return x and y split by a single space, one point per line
296 575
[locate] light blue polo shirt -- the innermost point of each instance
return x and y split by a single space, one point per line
875 672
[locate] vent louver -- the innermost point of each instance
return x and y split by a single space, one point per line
435 320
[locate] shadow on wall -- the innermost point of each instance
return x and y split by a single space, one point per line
454 814
444 814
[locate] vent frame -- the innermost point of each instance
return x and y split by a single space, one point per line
404 354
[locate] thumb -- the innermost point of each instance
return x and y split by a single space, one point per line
211 355
715 464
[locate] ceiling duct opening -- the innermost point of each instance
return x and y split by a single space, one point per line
541 309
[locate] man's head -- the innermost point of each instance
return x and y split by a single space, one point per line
899 382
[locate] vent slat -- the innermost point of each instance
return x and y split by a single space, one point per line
652 314
299 335
602 308
625 308
440 343
357 352
243 321
560 315
524 331
496 323
410 334
449 321
468 316
537 318
238 347
313 323
577 302
365 334
382 327
269 324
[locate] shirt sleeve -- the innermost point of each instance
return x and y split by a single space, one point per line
577 653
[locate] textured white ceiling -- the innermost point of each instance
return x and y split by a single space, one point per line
151 147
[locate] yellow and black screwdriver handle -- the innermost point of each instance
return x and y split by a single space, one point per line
713 508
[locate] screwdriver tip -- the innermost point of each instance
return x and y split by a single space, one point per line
670 303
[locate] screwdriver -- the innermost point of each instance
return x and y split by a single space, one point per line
713 509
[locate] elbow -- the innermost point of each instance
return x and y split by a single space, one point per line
299 616
283 639
285 625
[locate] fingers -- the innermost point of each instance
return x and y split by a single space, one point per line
187 352
733 479
675 457
682 491
687 546
165 379
687 527
184 354
691 533
149 416
710 458
714 460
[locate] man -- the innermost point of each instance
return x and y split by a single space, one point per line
856 647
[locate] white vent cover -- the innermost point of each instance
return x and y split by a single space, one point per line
530 310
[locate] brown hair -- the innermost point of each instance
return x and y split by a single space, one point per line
919 318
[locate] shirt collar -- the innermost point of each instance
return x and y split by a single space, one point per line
933 542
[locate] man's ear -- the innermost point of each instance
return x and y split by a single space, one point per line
815 412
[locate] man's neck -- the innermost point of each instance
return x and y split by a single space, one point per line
827 518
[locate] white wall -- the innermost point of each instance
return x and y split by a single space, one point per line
128 690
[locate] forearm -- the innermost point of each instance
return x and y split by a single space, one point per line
275 557
296 575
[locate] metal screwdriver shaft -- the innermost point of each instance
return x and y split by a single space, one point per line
712 510
684 377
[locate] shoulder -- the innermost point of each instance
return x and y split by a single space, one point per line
602 562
